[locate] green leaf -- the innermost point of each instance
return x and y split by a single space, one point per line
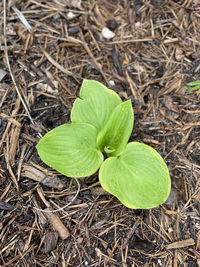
193 83
116 132
139 177
193 88
71 150
95 104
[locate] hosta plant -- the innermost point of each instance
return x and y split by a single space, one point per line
101 125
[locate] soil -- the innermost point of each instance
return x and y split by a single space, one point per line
51 49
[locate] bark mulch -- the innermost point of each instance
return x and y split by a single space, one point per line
51 46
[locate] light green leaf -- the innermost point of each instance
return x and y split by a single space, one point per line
193 83
116 132
194 88
139 177
95 104
71 150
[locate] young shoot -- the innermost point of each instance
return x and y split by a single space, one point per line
97 138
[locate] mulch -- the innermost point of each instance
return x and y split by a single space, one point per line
52 46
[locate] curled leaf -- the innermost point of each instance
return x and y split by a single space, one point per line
117 130
95 104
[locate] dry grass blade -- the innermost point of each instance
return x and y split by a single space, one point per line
58 66
23 19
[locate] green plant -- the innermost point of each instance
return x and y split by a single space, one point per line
193 86
101 126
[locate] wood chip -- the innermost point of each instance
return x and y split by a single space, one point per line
6 206
57 224
2 74
181 244
39 174
14 143
53 218
10 119
50 241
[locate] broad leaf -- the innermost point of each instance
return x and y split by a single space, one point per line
95 104
71 150
114 136
139 177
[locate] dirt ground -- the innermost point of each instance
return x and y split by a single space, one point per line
52 46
